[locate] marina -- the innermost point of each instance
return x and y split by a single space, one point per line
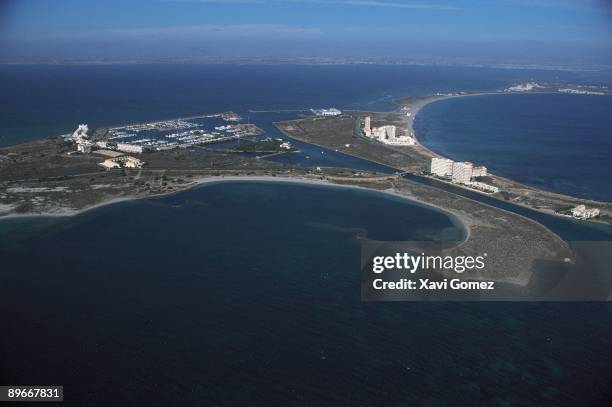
161 290
174 133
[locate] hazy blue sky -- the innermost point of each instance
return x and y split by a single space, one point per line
577 32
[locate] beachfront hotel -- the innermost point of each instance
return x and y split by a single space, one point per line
462 172
442 167
479 171
458 171
385 134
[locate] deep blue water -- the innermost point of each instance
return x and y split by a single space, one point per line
557 142
566 228
38 101
249 293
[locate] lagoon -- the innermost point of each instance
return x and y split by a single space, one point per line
235 292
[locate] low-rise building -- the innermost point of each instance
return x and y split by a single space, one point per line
84 147
582 212
400 141
483 186
326 112
125 161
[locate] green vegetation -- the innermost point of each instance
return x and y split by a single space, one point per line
565 210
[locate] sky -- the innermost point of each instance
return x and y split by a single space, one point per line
528 32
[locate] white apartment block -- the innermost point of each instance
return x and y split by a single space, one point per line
442 167
389 131
462 172
386 134
382 133
367 125
479 171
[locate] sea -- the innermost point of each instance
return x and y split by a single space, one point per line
556 142
249 292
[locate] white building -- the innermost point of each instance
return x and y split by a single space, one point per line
122 162
400 141
367 125
382 133
80 132
390 131
483 186
462 172
582 212
581 92
386 134
326 112
479 171
81 139
84 147
129 148
524 87
442 167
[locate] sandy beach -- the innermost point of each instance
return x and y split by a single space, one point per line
486 228
543 201
67 212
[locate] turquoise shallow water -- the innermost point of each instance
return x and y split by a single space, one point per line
556 142
249 293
